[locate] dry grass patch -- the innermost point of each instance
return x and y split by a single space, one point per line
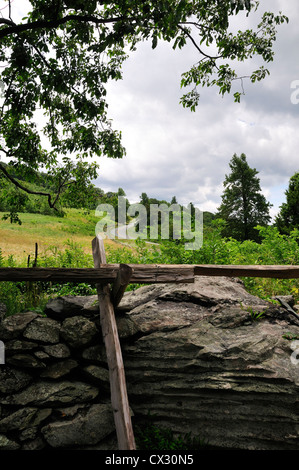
47 231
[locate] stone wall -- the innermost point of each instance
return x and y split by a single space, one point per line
196 358
54 386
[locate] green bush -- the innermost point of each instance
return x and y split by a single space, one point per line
273 249
152 437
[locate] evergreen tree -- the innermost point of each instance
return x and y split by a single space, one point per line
243 206
121 192
144 199
288 217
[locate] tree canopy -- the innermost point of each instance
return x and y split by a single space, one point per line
243 206
57 61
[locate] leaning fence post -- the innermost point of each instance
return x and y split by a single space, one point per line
119 397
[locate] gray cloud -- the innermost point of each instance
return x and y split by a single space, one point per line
171 151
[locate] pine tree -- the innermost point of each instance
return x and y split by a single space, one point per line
288 217
243 206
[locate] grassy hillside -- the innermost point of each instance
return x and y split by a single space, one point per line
19 240
66 241
62 241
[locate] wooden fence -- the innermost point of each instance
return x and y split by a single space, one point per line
147 273
120 275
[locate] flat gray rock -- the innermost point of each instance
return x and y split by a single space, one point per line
88 427
52 394
201 361
44 330
71 305
78 331
12 327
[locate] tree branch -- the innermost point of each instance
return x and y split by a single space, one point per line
14 28
5 21
29 191
196 45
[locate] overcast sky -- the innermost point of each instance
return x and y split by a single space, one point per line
172 151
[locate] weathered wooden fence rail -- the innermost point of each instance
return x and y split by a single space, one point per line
120 275
147 273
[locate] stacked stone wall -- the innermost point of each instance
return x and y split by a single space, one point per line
54 384
205 359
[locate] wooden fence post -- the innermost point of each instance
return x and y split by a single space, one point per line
119 397
121 282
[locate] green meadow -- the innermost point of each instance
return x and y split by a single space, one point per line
77 226
66 242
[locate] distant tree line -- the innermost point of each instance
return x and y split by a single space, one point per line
242 209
